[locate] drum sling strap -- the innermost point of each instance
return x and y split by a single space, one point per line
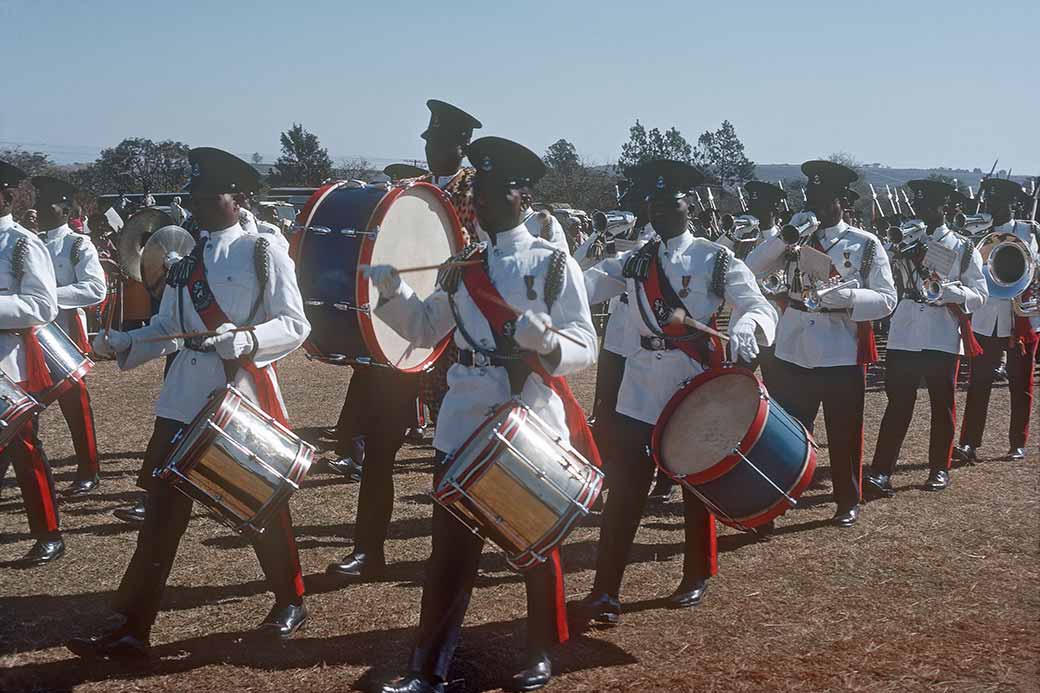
866 344
213 316
491 304
660 294
39 376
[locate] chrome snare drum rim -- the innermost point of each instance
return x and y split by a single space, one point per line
66 364
238 462
16 409
512 442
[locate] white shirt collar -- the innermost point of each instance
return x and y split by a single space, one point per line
940 233
677 243
511 239
236 225
57 233
442 181
7 221
834 231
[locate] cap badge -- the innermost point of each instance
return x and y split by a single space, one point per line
486 165
195 170
660 182
817 179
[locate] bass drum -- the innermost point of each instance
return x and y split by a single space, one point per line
345 226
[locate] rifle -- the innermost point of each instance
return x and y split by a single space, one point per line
982 193
787 207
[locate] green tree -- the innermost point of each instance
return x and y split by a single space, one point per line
137 164
645 145
562 157
568 180
303 161
722 155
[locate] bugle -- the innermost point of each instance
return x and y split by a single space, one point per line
801 226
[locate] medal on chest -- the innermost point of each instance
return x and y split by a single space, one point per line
685 291
532 295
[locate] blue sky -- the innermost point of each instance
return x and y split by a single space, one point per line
912 83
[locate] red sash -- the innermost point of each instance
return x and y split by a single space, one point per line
79 333
707 352
866 344
213 316
39 376
488 300
972 348
1022 333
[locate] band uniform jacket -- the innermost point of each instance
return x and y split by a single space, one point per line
996 318
652 377
817 340
280 323
80 279
920 326
517 264
27 301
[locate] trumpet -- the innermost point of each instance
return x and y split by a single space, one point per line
775 283
907 237
972 224
813 298
801 226
934 289
741 228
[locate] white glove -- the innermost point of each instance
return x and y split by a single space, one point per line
839 299
386 279
743 343
532 333
953 294
111 342
230 345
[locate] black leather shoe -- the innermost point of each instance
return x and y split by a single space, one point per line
81 487
879 485
663 488
344 466
601 608
688 593
283 621
533 676
846 518
965 454
765 531
415 436
359 564
937 480
43 551
413 683
1016 454
133 515
119 644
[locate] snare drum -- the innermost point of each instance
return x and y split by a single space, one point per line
65 362
16 409
722 437
345 226
238 462
517 482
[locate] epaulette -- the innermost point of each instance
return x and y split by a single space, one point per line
637 266
261 252
868 261
723 258
450 275
77 250
18 257
545 219
178 275
555 278
966 254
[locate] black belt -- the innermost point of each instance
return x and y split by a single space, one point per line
195 344
664 343
798 305
476 359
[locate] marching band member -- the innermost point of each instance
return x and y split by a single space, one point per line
230 279
501 355
998 330
821 356
925 339
81 283
28 299
381 402
676 272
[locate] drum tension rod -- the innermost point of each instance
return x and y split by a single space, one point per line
792 501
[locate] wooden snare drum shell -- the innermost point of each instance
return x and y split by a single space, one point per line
16 409
217 464
525 509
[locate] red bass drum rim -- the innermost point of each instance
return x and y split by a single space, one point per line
728 462
368 245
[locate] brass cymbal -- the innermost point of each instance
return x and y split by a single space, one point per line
163 248
134 235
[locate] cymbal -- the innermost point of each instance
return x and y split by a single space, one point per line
164 246
134 235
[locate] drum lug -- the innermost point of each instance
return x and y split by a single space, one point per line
321 230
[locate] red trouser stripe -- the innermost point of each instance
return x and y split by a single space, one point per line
559 597
39 467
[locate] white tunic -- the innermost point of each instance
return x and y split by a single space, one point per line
996 318
920 326
31 302
80 284
281 326
473 392
538 226
816 340
652 377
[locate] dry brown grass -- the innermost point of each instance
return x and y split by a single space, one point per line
929 592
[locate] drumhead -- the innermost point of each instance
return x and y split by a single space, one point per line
709 422
417 228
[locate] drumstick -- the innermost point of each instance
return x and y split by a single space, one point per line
425 268
550 328
193 335
680 315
